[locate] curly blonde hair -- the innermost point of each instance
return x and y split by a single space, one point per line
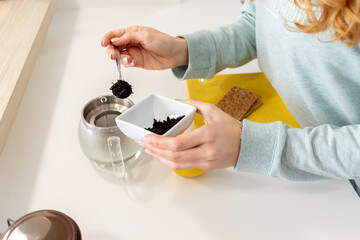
340 17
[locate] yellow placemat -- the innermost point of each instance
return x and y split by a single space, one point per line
212 90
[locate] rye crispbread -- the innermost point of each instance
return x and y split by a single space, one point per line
237 102
255 106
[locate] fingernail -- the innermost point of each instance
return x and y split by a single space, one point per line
146 140
148 151
132 64
102 44
114 40
125 60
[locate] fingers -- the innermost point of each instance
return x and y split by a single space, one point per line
106 39
122 37
133 38
207 110
178 143
111 52
188 159
187 155
127 60
126 40
175 166
186 151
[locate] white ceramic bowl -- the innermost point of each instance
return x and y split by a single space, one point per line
140 116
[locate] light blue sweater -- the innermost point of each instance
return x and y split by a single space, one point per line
319 83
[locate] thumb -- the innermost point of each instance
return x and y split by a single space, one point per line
207 110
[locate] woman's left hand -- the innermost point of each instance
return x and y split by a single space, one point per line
214 145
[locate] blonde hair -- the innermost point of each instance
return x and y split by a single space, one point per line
340 17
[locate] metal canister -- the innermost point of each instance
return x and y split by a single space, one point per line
43 225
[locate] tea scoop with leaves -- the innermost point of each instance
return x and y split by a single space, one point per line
121 88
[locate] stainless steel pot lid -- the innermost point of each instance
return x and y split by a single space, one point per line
43 225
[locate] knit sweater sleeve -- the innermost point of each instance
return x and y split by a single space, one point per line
230 45
312 153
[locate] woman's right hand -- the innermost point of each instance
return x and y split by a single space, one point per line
146 48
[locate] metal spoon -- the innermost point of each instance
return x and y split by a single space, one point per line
118 63
121 88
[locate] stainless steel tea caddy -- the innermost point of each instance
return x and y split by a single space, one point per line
44 224
97 124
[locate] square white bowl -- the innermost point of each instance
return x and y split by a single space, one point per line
140 116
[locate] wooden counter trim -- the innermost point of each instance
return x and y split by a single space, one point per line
23 26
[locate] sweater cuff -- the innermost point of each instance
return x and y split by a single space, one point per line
202 59
261 143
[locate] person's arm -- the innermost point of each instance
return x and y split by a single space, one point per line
312 153
272 149
230 45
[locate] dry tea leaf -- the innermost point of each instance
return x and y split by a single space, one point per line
161 127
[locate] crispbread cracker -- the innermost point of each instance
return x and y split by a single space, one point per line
255 106
237 102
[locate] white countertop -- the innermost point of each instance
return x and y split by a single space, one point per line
42 166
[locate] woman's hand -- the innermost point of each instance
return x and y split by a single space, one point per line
146 48
214 145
